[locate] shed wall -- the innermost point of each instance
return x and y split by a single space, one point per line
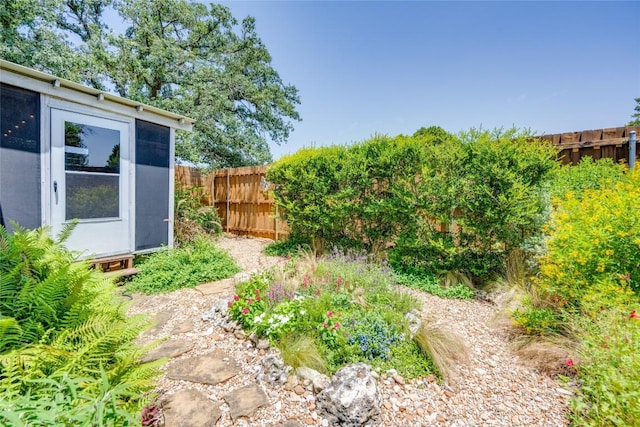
20 161
152 185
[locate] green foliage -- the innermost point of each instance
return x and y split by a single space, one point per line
636 116
198 262
610 391
66 355
588 174
430 284
343 305
593 258
287 248
192 217
188 57
539 321
488 187
350 197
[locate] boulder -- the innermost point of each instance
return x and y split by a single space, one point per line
413 318
352 398
273 370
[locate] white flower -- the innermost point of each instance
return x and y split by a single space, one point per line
303 312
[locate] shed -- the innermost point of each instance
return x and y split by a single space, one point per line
71 152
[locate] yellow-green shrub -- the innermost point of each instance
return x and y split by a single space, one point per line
593 251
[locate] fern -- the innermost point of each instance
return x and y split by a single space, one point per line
66 346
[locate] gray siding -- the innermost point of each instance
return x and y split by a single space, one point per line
20 157
152 185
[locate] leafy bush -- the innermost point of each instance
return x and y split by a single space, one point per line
198 262
344 304
347 196
192 217
287 248
66 355
588 174
593 257
488 188
610 384
430 284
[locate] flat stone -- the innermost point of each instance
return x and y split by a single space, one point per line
245 401
159 320
212 368
183 328
171 348
224 286
289 423
190 408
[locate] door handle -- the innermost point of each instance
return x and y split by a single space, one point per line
55 190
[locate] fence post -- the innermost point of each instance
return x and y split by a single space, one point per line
632 149
228 198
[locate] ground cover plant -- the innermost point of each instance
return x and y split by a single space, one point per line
340 309
197 262
66 352
587 290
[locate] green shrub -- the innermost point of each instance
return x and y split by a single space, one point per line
198 262
192 217
344 304
66 352
347 196
588 174
430 284
488 187
534 320
609 372
593 250
287 248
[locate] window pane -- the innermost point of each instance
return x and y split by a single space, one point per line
92 196
91 148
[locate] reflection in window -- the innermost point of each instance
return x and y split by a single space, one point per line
92 196
91 148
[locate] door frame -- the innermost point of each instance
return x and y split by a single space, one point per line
50 103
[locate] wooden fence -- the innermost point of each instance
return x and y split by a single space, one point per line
598 143
241 198
246 208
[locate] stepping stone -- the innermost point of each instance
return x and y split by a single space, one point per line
183 328
171 348
212 368
190 408
224 286
159 320
245 401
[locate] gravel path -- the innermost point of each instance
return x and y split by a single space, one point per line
492 388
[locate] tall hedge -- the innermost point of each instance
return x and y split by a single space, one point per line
399 191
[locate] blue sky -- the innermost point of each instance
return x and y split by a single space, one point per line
363 68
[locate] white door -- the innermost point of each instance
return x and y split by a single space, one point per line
90 182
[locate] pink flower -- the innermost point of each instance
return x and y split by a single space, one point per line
634 315
330 314
325 325
257 291
258 297
245 310
570 362
249 301
337 325
236 297
229 303
339 281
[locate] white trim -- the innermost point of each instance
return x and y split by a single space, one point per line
172 167
132 186
29 78
45 161
87 110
